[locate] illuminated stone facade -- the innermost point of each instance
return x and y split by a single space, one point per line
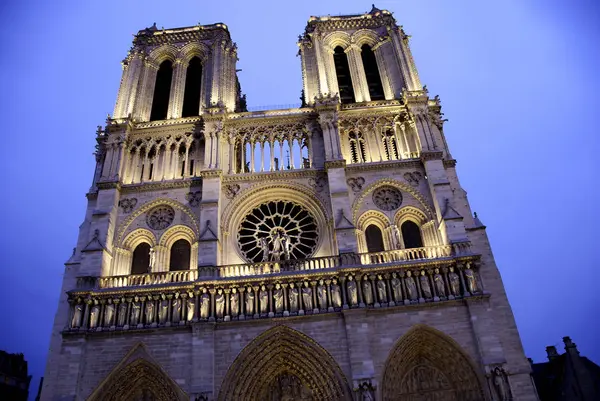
326 252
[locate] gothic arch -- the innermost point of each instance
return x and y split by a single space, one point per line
149 205
282 351
162 53
133 378
427 364
176 233
335 39
373 217
365 36
358 201
138 236
191 50
410 213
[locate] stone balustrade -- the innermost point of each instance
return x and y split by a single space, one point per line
402 255
254 269
316 292
133 280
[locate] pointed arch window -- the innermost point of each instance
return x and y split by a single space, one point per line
390 145
162 91
180 255
342 71
357 147
141 259
411 234
193 84
372 73
374 239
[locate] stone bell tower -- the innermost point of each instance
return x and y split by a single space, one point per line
326 252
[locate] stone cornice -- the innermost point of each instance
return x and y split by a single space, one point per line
408 163
374 106
428 155
335 164
155 37
108 185
156 186
272 175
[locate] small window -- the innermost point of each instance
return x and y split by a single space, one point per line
374 239
141 259
180 255
411 234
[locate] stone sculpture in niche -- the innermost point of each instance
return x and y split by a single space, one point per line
322 295
425 287
191 308
307 297
204 304
160 217
454 282
278 297
396 288
122 313
367 291
381 290
352 292
293 298
109 314
250 301
411 286
234 302
336 297
387 198
263 297
471 280
220 303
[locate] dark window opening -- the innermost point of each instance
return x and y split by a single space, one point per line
411 234
374 239
162 91
141 259
342 70
191 167
142 173
372 73
180 255
193 83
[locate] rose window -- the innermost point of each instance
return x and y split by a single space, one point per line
387 198
278 230
160 217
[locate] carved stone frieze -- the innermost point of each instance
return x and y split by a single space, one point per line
128 204
413 178
194 198
356 184
231 190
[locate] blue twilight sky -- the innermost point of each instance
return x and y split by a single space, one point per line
518 81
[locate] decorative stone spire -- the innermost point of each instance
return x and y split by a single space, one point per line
551 352
477 222
374 9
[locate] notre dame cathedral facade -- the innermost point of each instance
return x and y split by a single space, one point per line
326 252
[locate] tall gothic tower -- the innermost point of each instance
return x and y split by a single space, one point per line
326 252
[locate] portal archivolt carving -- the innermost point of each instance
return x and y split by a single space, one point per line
283 364
426 365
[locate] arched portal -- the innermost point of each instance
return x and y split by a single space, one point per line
283 364
180 255
427 365
374 239
140 380
141 259
411 233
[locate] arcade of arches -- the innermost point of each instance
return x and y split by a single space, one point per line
284 364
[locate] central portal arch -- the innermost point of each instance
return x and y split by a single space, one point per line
427 365
284 364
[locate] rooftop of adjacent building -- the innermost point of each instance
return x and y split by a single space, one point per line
567 376
13 365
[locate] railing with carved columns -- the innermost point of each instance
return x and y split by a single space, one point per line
148 279
317 292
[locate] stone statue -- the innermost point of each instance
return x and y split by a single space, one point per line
322 295
381 290
278 298
336 296
352 293
264 246
367 291
109 314
454 282
136 310
122 314
425 287
277 247
396 288
250 302
191 308
220 303
77 314
163 311
152 259
471 280
287 246
396 237
204 304
234 303
263 297
94 315
411 287
293 298
500 385
276 159
176 313
149 312
307 297
438 281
